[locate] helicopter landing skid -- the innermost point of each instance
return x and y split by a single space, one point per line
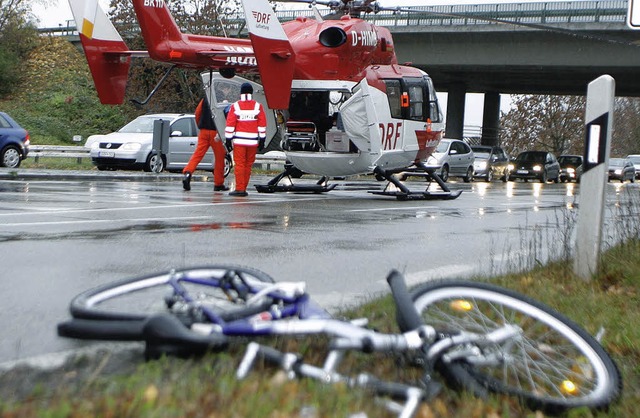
308 188
426 195
403 192
273 187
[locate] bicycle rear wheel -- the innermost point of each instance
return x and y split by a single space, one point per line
185 293
554 365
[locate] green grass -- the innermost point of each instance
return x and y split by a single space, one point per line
206 386
57 163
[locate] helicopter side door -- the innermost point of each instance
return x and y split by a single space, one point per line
222 92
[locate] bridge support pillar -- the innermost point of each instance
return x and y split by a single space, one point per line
455 111
491 118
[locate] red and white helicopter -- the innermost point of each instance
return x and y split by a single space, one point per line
344 104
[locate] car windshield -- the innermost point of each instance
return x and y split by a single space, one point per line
616 162
442 147
570 160
139 125
481 152
537 157
635 159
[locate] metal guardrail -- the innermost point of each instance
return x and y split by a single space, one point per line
58 151
80 152
550 13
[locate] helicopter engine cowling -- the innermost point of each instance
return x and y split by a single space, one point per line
333 37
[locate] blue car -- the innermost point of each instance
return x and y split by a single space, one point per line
14 142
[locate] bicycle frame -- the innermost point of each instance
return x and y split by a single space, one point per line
296 314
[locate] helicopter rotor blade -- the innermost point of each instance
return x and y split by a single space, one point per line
352 7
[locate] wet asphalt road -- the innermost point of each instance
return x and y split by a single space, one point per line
62 235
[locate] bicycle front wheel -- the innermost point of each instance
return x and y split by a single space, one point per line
186 293
553 365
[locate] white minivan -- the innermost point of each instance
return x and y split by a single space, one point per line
452 158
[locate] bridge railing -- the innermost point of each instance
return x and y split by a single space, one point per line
549 13
564 12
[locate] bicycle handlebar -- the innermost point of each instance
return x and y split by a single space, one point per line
406 312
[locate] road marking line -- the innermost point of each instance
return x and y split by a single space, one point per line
183 205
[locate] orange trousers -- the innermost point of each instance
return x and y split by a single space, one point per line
206 139
243 157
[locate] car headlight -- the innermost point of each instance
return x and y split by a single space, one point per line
510 167
571 170
432 161
132 146
537 168
618 172
95 145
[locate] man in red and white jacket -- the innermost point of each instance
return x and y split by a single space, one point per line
247 129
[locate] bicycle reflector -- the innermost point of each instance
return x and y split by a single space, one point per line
461 305
569 387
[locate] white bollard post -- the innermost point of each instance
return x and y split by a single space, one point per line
599 123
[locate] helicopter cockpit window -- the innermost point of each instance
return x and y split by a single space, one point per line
416 102
394 94
434 108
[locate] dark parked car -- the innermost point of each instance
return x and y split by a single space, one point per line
535 165
621 169
490 162
570 167
14 142
635 160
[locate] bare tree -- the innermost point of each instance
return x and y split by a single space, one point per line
556 124
626 127
182 90
543 122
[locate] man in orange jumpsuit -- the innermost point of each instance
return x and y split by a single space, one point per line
207 137
246 132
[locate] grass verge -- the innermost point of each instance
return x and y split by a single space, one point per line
171 387
55 163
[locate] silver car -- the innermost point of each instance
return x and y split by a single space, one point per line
452 158
490 162
131 147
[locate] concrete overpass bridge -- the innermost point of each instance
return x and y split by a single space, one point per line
582 40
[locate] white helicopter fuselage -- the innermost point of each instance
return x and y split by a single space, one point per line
364 134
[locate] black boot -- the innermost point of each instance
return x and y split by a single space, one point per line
186 181
221 188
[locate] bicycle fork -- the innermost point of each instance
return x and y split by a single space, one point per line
294 366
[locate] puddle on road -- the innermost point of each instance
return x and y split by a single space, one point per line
152 227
